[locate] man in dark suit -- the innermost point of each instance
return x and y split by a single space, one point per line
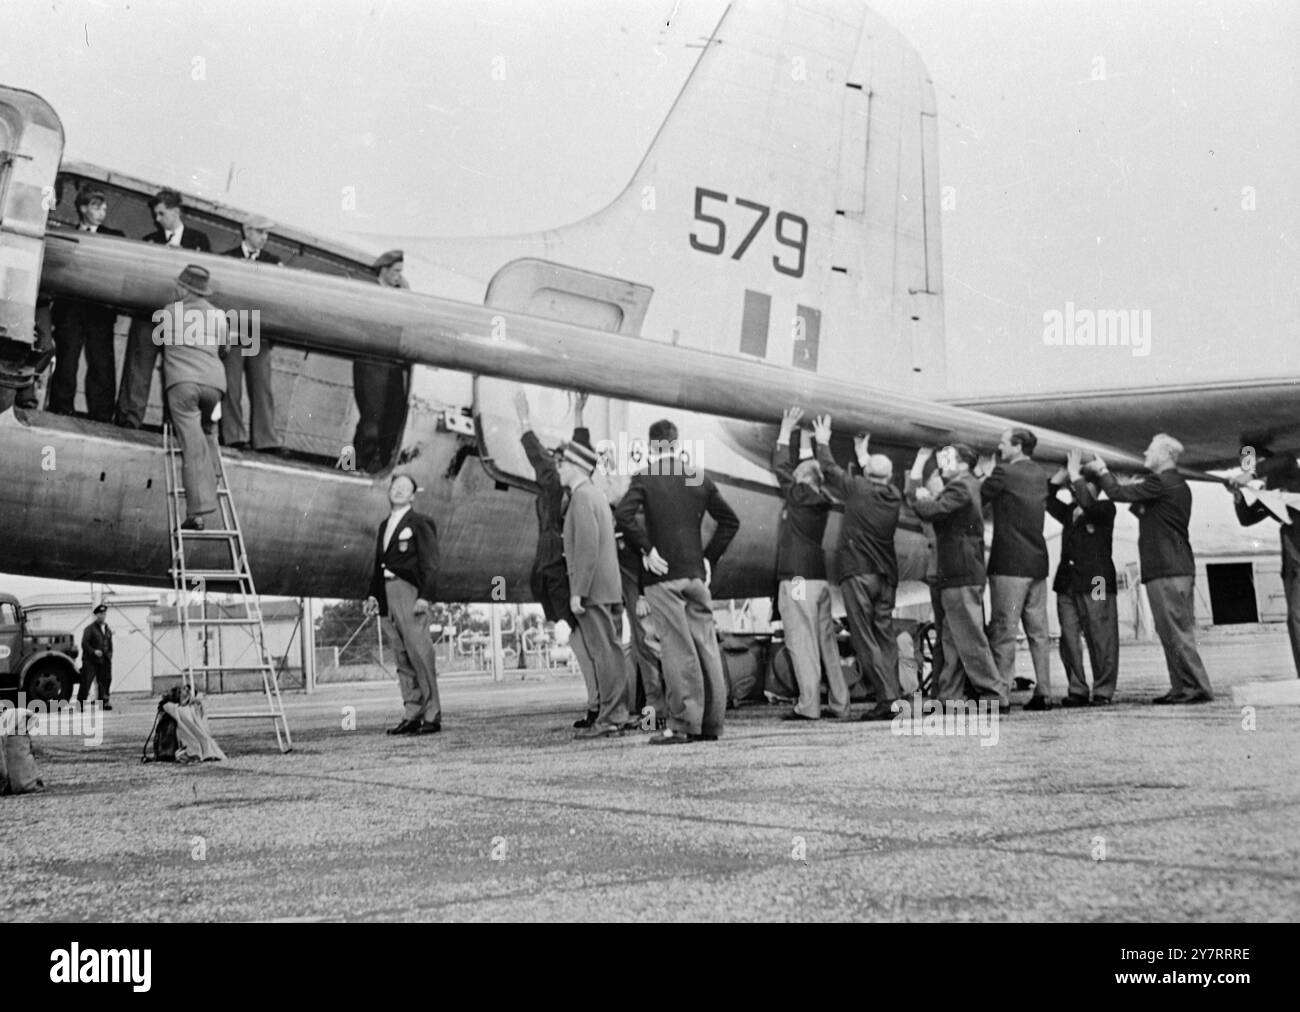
867 564
1163 504
97 657
1085 587
141 352
1281 473
379 388
1017 567
402 586
968 667
85 326
674 496
251 362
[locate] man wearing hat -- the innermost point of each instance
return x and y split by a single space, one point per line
194 381
595 586
97 657
402 586
85 326
141 352
959 535
380 389
1280 473
867 565
251 363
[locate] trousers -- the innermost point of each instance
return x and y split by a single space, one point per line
869 607
137 373
601 637
259 431
100 673
83 327
1020 600
810 638
417 669
1095 622
968 666
191 406
694 683
380 391
1173 610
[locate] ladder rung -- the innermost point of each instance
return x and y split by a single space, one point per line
251 620
233 667
209 533
227 575
246 716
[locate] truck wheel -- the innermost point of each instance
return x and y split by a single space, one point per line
49 681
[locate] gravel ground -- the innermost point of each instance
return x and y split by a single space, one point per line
1133 813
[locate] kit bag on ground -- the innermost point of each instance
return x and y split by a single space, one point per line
17 764
163 735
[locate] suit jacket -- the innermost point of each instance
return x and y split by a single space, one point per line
412 555
871 510
958 530
191 238
674 511
238 251
1086 541
1247 516
1018 493
94 638
1163 504
198 361
590 552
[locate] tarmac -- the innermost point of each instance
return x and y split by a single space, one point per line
1128 813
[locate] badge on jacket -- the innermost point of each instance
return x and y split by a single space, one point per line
404 541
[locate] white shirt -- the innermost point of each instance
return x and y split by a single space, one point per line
174 238
394 521
249 252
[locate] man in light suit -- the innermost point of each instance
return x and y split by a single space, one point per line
595 587
402 585
194 382
141 352
251 363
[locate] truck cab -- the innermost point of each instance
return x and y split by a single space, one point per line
41 664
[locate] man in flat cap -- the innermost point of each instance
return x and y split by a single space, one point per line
402 586
81 326
380 389
97 657
192 334
959 533
251 362
141 352
595 586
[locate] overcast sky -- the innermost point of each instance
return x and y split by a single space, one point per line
1106 154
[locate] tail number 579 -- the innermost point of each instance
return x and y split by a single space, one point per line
790 230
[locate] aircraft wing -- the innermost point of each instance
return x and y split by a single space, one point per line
358 318
1213 421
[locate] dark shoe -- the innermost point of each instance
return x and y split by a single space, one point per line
239 446
1101 700
1069 701
795 715
1198 697
108 706
428 727
593 732
1020 684
881 711
1169 699
1039 703
704 737
192 524
670 737
588 720
405 727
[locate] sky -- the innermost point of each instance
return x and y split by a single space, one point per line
1117 156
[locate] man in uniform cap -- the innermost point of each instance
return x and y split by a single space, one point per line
251 363
380 389
194 381
97 657
595 586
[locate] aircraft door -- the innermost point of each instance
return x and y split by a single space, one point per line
542 288
31 145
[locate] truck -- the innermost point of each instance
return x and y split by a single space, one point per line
41 664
